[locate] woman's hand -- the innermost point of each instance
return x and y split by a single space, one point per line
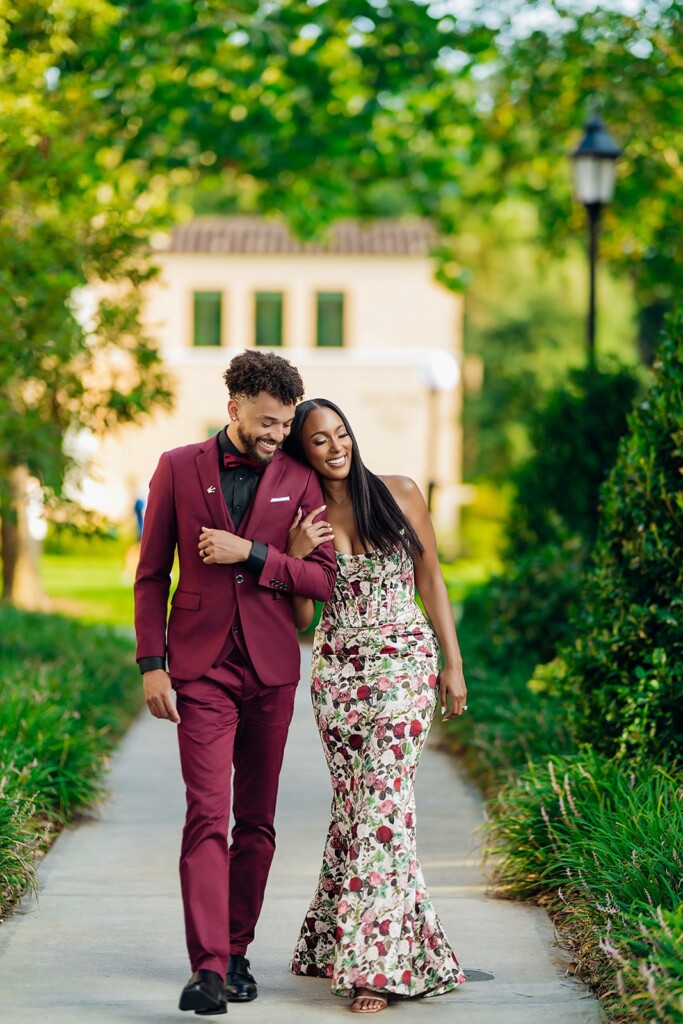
453 691
305 535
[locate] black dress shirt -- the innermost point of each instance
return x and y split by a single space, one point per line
238 485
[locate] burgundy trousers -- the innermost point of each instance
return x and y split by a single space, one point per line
232 728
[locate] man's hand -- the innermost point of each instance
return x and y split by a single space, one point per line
218 547
159 695
305 535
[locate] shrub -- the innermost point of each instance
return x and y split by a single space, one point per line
521 617
624 672
597 834
21 839
603 846
68 692
650 985
509 724
528 610
610 833
574 438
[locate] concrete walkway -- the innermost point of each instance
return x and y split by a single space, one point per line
104 941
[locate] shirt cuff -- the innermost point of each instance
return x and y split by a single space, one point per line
150 664
257 557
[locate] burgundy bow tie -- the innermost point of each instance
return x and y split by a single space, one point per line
230 461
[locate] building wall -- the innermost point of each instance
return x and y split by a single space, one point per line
398 321
391 302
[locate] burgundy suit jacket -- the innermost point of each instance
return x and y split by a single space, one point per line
185 495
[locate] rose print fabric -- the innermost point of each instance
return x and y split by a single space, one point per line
374 690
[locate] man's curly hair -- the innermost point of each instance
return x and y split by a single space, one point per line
253 372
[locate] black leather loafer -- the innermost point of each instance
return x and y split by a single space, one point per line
204 993
240 986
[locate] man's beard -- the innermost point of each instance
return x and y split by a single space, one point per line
249 446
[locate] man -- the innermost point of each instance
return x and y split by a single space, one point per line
226 506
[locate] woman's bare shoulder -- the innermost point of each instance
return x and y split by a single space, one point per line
403 489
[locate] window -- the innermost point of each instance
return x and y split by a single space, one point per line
268 319
330 320
207 318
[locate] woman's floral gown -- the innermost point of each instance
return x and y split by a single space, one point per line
374 689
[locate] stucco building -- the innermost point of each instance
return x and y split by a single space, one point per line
360 314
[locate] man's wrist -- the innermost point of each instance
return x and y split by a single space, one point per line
257 557
151 664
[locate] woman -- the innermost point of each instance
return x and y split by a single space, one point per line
371 926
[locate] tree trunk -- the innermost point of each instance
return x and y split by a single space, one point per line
21 582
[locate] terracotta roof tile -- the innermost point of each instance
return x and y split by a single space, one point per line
256 235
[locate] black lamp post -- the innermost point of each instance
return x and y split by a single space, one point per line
594 169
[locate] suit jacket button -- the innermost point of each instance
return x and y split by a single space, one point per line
239 578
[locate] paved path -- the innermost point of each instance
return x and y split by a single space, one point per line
104 942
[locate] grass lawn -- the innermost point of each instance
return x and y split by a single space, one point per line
94 588
97 587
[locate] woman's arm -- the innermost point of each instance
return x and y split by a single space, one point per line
304 610
432 589
304 537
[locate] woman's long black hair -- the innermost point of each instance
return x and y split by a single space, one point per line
380 523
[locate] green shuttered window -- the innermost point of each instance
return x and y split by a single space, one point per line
330 320
268 319
207 318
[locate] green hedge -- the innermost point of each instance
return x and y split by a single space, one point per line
518 618
521 617
574 438
589 744
68 693
624 673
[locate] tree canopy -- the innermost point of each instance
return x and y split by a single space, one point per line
317 109
65 219
314 109
630 67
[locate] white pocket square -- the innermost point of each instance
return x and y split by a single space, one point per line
280 499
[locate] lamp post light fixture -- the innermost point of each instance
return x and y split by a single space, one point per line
593 164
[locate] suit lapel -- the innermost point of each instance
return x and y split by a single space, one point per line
268 485
207 467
